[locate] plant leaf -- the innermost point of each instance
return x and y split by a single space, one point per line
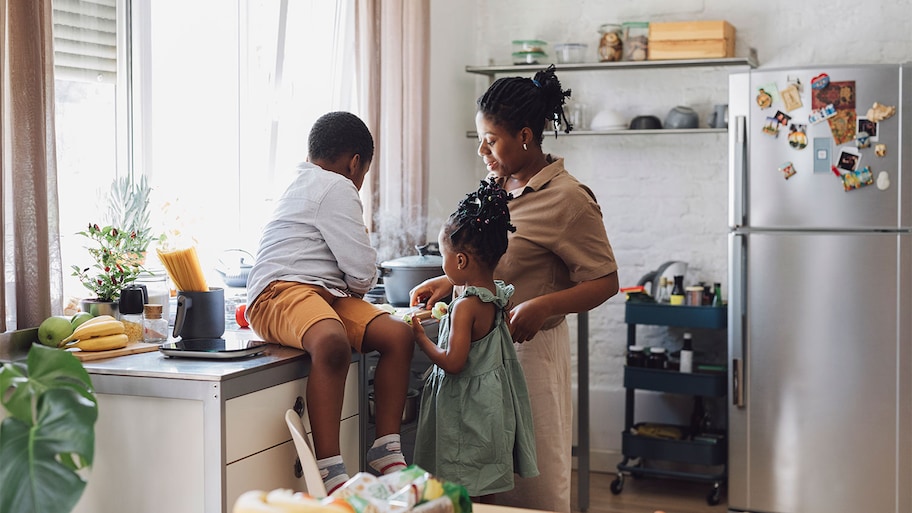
15 395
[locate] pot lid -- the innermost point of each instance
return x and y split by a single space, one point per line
423 261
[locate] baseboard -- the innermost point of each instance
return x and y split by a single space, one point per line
603 461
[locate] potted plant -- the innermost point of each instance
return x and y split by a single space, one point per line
128 208
48 434
117 258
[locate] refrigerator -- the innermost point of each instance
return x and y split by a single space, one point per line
820 290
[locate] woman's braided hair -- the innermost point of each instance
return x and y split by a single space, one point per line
517 102
481 222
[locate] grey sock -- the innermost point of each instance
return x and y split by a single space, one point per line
385 456
332 470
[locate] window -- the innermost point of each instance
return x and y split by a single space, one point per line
211 100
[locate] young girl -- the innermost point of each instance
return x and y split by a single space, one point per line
475 420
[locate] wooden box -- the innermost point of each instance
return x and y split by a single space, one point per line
691 40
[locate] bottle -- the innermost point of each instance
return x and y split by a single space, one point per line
132 299
677 292
717 294
657 358
636 357
155 328
687 354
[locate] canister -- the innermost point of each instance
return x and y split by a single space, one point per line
657 358
694 295
636 356
610 44
636 40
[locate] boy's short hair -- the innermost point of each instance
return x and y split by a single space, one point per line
339 133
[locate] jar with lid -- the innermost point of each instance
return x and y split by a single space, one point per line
657 358
132 299
636 356
636 40
610 44
159 292
155 328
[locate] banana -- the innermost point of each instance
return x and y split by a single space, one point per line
102 343
99 318
91 329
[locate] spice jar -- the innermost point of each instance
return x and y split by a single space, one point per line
155 328
610 44
657 358
636 40
636 356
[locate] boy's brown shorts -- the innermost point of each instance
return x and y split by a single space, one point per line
285 310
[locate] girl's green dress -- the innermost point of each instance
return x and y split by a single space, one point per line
475 427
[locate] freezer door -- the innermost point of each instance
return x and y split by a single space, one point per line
814 197
824 338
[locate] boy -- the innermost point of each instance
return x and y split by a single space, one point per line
313 266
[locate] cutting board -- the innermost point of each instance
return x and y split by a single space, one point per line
131 348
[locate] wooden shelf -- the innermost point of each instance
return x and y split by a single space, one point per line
659 131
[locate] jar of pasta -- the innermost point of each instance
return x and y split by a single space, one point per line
610 44
636 40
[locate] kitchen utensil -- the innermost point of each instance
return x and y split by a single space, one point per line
568 53
402 274
667 270
234 266
131 348
608 120
719 116
200 314
682 117
645 123
409 412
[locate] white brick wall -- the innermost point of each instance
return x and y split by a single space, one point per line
663 196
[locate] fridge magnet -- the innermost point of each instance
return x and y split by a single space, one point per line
863 124
794 81
842 96
791 97
880 150
818 115
782 117
771 127
797 137
883 180
857 179
848 160
767 95
787 170
879 112
820 81
823 148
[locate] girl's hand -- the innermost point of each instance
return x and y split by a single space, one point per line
417 328
526 319
430 291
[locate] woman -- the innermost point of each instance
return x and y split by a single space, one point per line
559 260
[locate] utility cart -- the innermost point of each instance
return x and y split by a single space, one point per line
707 449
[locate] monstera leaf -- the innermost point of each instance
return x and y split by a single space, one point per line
49 434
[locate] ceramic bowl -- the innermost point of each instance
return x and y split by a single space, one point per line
645 123
682 117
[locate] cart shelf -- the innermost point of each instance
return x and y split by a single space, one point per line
658 380
682 451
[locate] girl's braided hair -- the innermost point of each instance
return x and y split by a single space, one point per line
517 102
481 222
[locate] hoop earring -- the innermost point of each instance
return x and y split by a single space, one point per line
525 147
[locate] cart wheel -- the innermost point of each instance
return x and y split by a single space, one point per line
618 484
715 495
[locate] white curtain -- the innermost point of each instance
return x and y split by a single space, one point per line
32 286
392 63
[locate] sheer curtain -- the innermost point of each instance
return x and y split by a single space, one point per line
392 62
32 285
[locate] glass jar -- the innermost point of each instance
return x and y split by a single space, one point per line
155 328
159 293
657 358
636 40
610 44
636 356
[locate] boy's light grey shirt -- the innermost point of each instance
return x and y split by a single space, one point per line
316 235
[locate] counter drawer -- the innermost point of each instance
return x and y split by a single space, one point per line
256 421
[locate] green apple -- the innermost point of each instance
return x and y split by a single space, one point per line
80 318
54 329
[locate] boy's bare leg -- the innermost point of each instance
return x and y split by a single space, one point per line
330 355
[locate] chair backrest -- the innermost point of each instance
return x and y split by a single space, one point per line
312 477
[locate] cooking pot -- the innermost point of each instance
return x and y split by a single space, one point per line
401 275
234 266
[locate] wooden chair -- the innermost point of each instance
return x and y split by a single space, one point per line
305 454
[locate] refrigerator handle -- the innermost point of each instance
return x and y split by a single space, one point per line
737 303
737 168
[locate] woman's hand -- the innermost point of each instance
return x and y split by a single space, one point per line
430 291
527 318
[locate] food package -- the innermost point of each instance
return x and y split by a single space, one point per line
411 489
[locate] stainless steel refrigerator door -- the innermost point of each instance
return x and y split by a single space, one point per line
818 200
822 327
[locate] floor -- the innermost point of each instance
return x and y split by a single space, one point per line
646 495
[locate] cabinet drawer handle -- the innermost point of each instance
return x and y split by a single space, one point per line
298 469
299 406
